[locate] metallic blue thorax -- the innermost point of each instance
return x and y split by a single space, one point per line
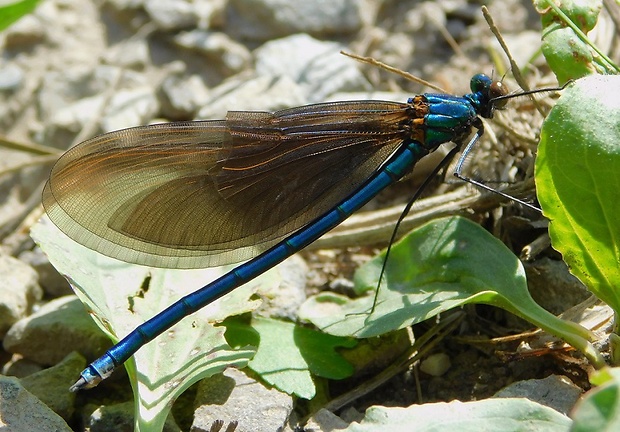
448 119
451 118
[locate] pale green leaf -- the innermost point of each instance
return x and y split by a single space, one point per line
497 415
121 296
578 179
443 264
289 355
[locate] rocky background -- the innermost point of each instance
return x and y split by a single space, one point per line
77 68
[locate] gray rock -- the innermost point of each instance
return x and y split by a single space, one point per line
324 420
102 99
58 328
67 122
19 292
59 89
233 396
172 14
223 53
133 54
259 20
425 16
252 93
28 30
20 367
182 96
318 67
557 392
51 385
129 108
179 14
105 78
21 411
11 77
61 129
52 282
394 49
552 286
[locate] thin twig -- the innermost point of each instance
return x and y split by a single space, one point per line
406 75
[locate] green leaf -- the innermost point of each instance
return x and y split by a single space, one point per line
121 296
288 355
599 409
14 11
568 51
497 415
443 264
578 179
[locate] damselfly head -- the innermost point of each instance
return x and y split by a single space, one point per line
487 94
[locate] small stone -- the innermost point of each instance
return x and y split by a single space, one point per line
252 93
436 364
131 107
179 14
59 89
172 14
52 282
11 77
20 367
552 285
222 52
28 30
22 411
82 97
318 67
324 420
233 396
555 391
68 121
182 96
58 328
132 54
19 292
260 20
51 385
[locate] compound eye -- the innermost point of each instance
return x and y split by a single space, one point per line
479 83
497 89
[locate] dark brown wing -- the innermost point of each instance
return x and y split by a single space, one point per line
198 194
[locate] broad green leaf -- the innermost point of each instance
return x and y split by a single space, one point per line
443 264
578 179
288 355
12 12
599 409
122 296
565 45
497 415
